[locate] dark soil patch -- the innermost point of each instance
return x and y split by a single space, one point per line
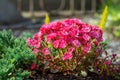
60 76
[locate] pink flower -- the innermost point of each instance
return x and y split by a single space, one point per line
62 44
86 28
107 62
63 34
56 44
87 48
33 42
38 36
71 49
96 33
77 21
69 21
67 56
59 44
50 37
73 21
29 41
35 51
58 25
43 29
45 51
37 45
69 39
86 37
76 43
33 66
74 32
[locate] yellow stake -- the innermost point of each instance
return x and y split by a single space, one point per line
104 18
47 19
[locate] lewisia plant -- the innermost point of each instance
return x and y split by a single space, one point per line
71 46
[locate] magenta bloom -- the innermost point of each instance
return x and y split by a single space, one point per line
50 37
87 48
35 51
62 44
45 51
96 33
86 28
33 42
33 66
59 44
37 45
63 34
107 62
67 56
38 36
72 21
30 41
56 44
74 32
44 29
86 37
76 43
71 49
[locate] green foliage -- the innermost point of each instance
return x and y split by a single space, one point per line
15 57
114 17
114 8
26 35
105 45
116 32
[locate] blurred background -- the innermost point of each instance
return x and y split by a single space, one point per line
28 15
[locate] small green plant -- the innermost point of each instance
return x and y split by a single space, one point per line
15 57
73 47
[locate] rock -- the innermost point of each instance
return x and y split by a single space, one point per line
9 13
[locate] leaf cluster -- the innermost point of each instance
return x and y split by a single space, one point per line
15 57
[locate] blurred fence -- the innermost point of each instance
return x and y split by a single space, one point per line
37 8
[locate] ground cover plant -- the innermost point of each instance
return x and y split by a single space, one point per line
15 57
71 47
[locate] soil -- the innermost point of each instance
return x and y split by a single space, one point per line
60 76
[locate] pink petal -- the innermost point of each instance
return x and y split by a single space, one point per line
76 43
36 51
67 56
45 51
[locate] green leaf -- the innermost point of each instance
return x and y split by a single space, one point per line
54 52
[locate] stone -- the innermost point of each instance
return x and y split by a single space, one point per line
9 13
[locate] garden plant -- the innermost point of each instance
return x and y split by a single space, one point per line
15 57
71 47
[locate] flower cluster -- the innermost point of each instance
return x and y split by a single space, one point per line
70 34
66 45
